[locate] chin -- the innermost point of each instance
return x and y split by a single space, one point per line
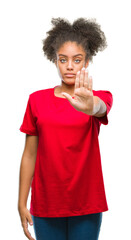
70 82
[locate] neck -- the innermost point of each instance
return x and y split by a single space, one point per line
67 88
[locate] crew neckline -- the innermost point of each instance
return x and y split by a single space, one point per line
53 91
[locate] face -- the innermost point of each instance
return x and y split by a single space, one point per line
70 59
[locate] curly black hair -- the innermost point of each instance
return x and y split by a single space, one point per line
85 32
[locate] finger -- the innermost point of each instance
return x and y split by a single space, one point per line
25 227
69 98
30 220
27 233
86 80
77 80
82 74
90 84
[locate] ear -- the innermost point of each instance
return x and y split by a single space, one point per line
55 62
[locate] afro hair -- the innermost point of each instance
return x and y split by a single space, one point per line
86 32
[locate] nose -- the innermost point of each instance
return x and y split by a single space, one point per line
69 65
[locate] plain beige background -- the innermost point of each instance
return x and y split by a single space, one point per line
24 69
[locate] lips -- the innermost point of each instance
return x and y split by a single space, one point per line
69 74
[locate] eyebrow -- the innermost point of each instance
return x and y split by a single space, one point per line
73 56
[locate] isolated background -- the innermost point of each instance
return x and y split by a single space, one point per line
24 69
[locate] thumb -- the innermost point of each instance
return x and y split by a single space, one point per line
30 220
67 96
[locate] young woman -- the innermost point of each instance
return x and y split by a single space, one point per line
61 159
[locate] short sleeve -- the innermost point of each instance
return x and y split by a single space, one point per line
28 125
107 98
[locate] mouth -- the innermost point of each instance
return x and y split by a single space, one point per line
70 75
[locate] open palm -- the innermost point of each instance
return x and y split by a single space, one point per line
83 95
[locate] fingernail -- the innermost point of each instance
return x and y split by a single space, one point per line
83 68
31 223
78 72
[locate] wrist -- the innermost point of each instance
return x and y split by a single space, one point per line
96 107
21 206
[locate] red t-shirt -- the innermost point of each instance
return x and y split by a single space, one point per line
68 178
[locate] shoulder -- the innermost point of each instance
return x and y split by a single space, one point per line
39 93
103 93
95 92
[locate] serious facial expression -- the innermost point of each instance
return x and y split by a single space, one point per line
70 59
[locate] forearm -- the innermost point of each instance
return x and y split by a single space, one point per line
25 178
99 108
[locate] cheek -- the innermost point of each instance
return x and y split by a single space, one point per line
60 72
81 65
61 69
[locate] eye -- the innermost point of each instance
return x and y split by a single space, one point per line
62 60
78 60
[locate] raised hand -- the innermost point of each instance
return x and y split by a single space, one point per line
83 96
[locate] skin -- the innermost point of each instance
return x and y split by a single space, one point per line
27 167
80 85
69 64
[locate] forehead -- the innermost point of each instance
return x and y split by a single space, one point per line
71 49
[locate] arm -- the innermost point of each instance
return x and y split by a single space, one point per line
25 178
84 100
27 168
100 108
